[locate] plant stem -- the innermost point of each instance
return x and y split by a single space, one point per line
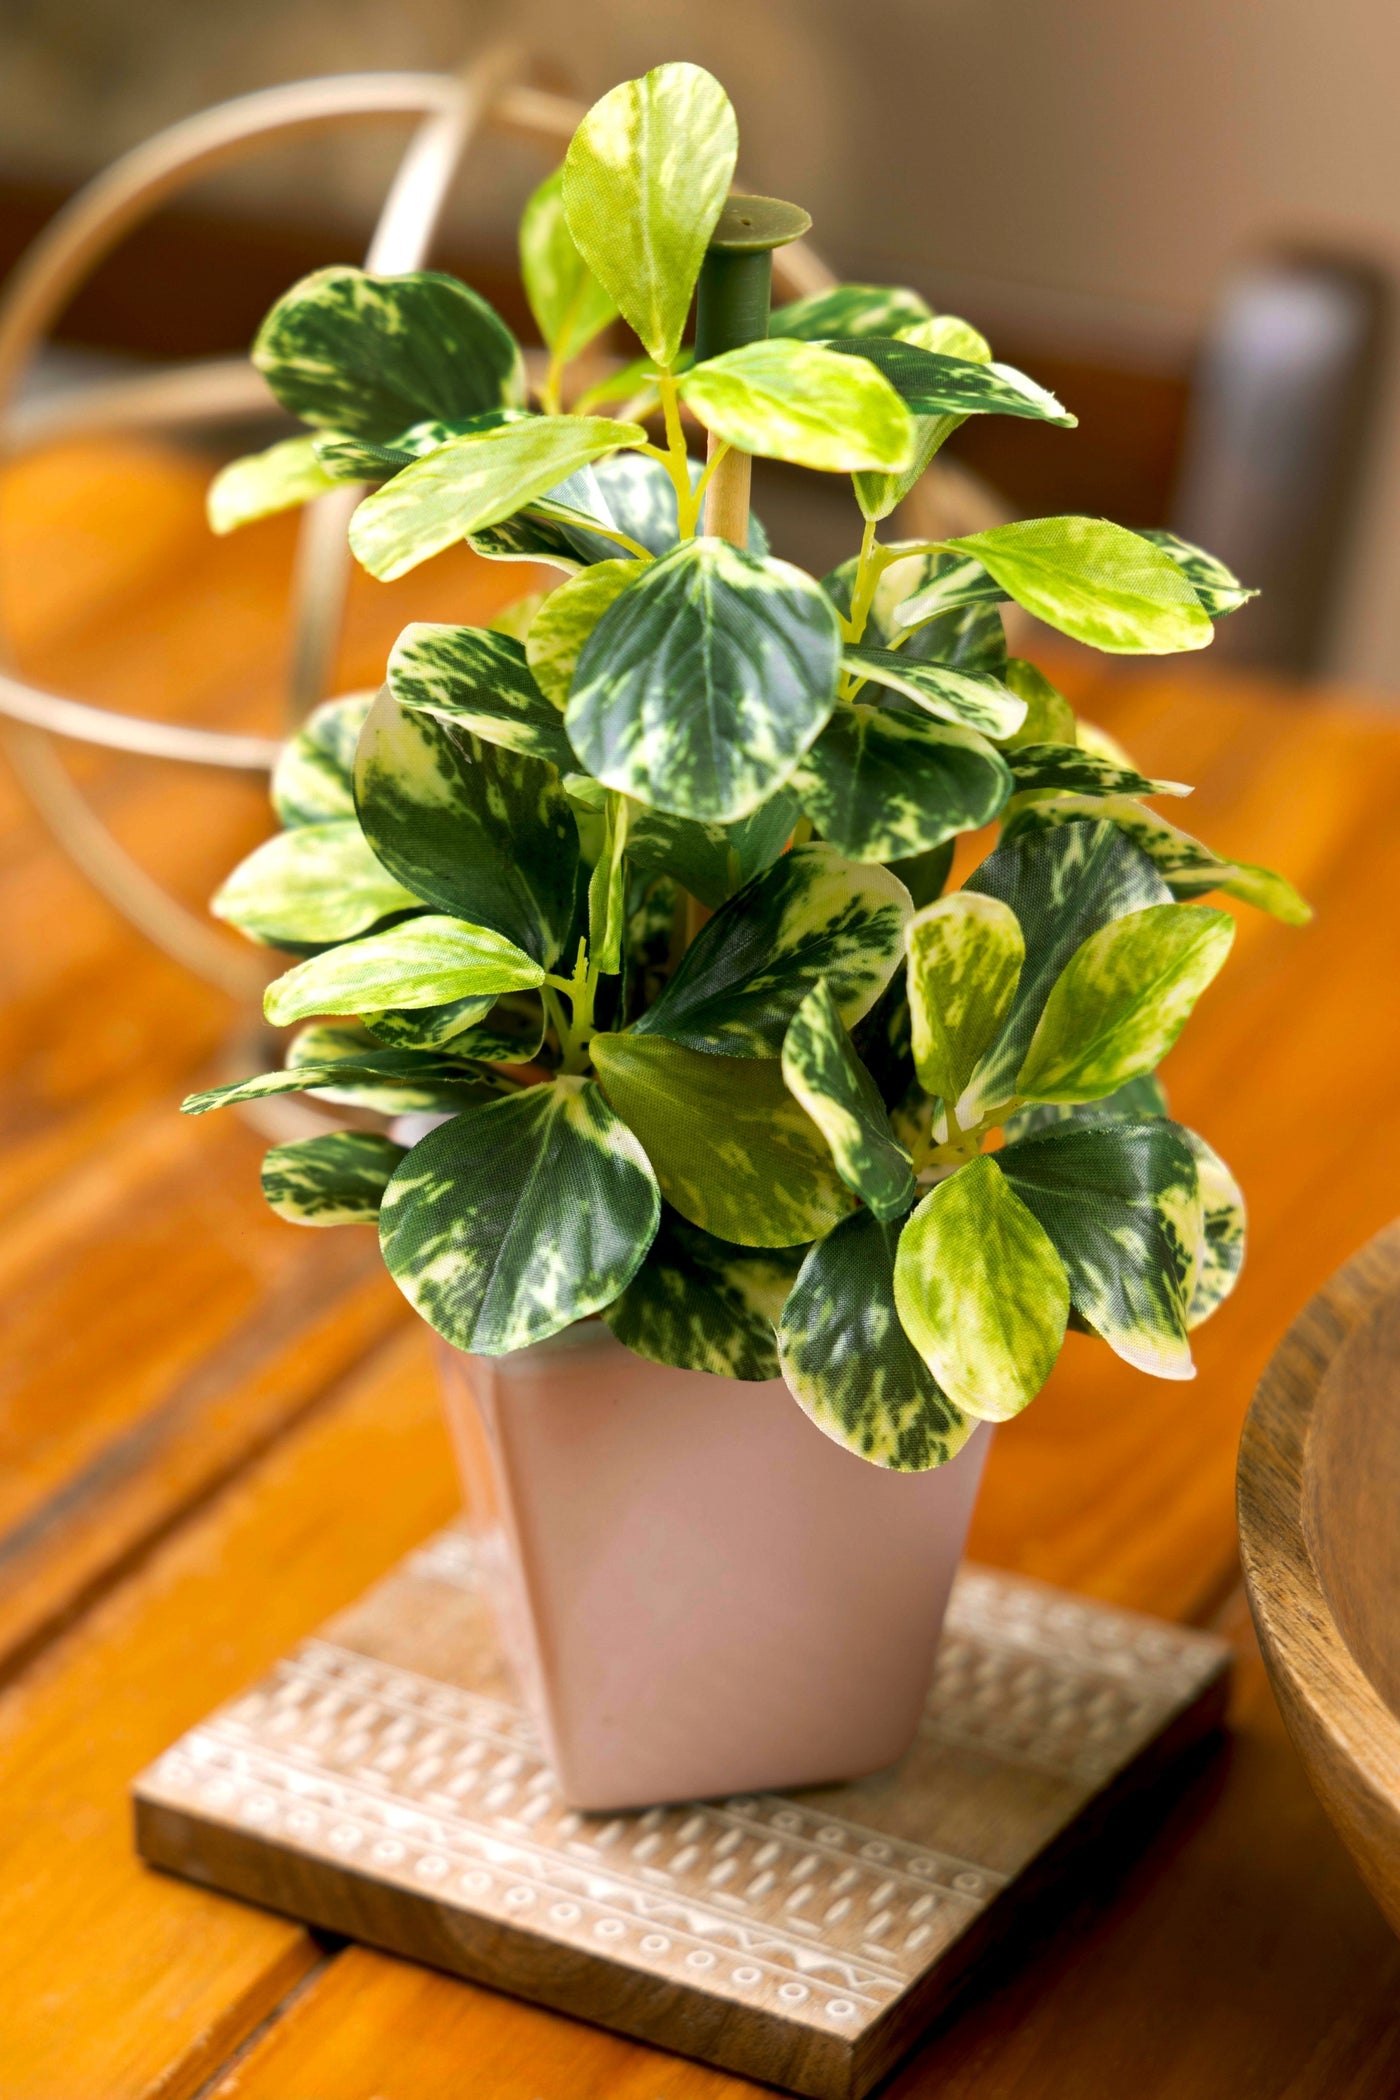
551 393
676 457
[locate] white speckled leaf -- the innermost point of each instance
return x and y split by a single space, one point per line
849 1363
802 403
811 915
704 1304
281 478
1122 1000
704 683
314 778
420 963
1094 581
733 1152
822 1071
882 785
1121 1203
564 622
849 310
313 884
974 698
566 299
645 179
965 958
479 681
512 1221
373 355
336 1179
981 1292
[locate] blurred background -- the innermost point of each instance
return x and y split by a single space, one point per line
1184 220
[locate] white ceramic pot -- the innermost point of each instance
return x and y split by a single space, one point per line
701 1593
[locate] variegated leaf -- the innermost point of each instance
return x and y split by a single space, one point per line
1223 1231
981 1292
1049 717
475 482
925 875
931 383
516 619
566 299
1134 1102
508 1031
966 954
884 1043
704 683
645 180
823 1073
848 310
733 1152
392 1082
480 832
879 494
373 355
976 699
849 1363
969 638
799 402
1121 1204
1122 1000
1066 768
938 582
564 623
712 861
881 785
479 681
286 475
314 778
420 963
311 885
336 1179
357 459
1062 886
1094 581
1189 868
704 1304
514 1220
812 914
1219 591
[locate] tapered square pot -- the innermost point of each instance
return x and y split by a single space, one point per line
701 1593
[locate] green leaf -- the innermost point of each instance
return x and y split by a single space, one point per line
849 310
482 833
507 1031
645 180
981 1292
475 482
564 623
1121 1205
966 954
1218 590
933 384
1223 1231
356 459
704 1304
823 1073
420 963
1094 581
372 355
1122 1000
1065 767
881 785
1189 868
286 475
478 681
392 1082
849 1363
591 515
704 683
516 619
514 1220
974 698
314 778
733 1152
812 914
1062 887
314 884
939 582
712 861
879 494
607 889
925 875
804 404
566 299
1049 716
337 1179
1133 1102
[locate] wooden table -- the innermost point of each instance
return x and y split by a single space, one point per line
215 1429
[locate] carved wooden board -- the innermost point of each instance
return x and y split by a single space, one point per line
383 1782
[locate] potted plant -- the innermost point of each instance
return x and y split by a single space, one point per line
705 1095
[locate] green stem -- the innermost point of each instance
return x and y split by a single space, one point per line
551 393
677 458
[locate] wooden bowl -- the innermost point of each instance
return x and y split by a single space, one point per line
1319 1510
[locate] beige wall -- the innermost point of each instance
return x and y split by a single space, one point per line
1104 158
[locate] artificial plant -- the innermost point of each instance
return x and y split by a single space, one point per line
640 889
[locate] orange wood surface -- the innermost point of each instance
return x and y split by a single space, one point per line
216 1429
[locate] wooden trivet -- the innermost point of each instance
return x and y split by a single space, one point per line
383 1782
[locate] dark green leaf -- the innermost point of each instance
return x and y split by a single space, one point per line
478 681
336 1179
712 861
823 1073
976 699
935 385
704 1304
849 310
881 785
1066 767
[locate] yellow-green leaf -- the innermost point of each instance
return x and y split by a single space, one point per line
823 1072
965 958
420 963
336 1179
566 299
566 619
283 477
801 403
314 884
